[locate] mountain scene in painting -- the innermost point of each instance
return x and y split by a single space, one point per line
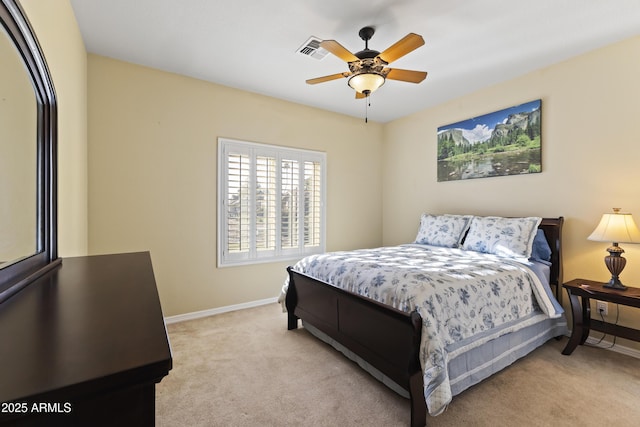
506 142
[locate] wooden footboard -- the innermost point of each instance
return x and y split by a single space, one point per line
386 338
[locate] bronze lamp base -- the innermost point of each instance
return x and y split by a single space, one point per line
615 263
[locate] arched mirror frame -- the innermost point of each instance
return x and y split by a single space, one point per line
17 275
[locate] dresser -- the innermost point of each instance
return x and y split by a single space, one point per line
84 344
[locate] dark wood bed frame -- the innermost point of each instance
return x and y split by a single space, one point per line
387 338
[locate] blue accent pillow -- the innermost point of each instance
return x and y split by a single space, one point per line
541 249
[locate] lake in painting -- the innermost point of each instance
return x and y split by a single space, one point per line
507 163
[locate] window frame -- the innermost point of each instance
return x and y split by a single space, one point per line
278 253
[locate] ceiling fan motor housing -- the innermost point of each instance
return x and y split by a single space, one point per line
368 65
367 53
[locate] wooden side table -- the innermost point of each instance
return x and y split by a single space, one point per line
581 311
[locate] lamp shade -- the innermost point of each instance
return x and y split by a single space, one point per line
366 82
616 227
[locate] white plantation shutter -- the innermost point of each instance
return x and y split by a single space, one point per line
266 215
289 195
312 214
237 202
270 202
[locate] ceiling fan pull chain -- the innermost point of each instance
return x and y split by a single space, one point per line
366 110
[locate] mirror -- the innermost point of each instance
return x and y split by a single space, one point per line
18 157
28 139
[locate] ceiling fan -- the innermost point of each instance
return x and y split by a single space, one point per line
367 70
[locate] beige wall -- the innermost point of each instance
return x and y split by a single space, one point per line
57 30
152 175
590 149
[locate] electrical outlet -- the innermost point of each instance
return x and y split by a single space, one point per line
602 307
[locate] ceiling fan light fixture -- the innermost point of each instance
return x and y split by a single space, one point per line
366 82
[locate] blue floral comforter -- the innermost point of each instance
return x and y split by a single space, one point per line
458 293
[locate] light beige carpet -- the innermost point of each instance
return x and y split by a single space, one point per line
245 369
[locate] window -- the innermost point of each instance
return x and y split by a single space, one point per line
270 202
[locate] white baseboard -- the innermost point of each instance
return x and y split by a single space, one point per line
606 345
593 341
219 310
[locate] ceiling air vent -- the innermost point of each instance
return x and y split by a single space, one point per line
312 48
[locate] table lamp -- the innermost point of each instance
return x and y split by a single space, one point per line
617 228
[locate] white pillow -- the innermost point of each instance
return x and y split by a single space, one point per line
510 237
442 230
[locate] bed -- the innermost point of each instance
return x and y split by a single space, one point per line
433 343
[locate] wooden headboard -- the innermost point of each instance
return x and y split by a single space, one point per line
552 228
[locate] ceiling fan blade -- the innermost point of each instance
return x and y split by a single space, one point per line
327 78
360 95
338 50
406 75
403 46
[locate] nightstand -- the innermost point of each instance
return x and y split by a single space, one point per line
581 311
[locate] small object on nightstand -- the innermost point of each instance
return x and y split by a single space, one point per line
617 228
586 288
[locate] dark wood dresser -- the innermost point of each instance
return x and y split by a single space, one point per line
84 345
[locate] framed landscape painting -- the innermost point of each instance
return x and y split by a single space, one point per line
506 142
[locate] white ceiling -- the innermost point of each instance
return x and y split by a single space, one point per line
252 44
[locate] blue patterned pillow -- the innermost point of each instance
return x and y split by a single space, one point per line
442 230
510 237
